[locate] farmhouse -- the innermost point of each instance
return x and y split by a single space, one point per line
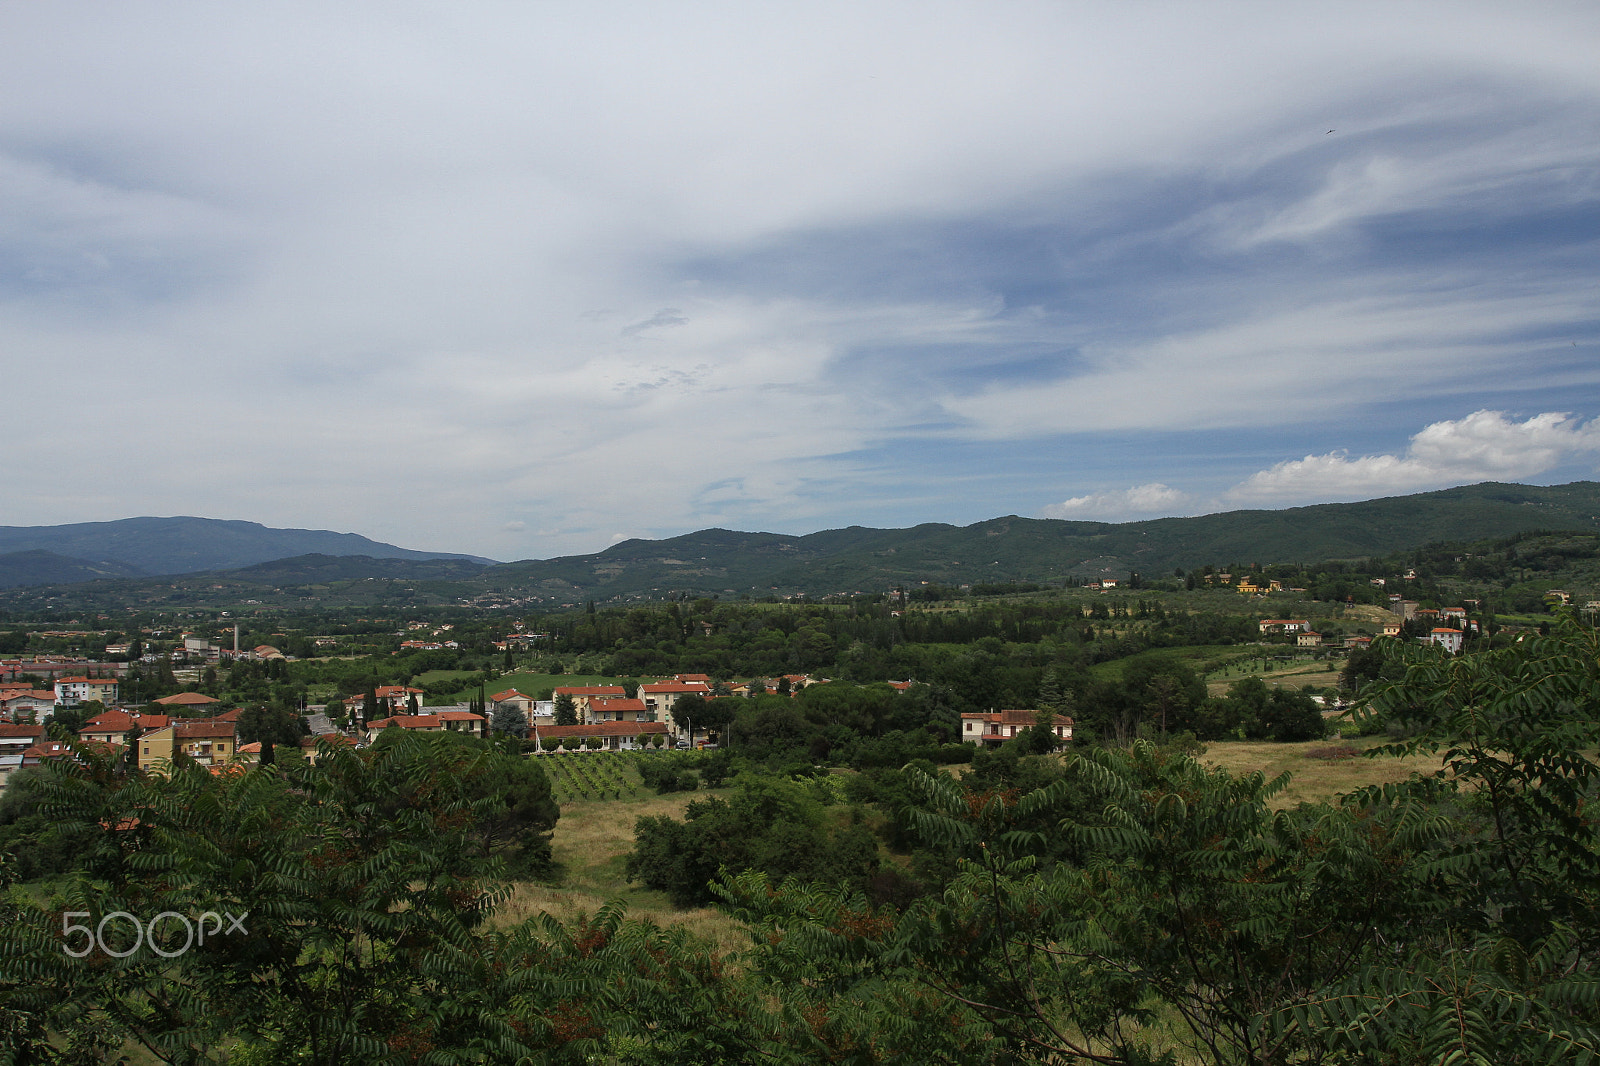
993 728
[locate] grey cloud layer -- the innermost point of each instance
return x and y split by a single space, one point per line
580 270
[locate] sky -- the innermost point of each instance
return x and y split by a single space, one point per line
524 280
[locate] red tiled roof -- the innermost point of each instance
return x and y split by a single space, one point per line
457 716
1011 717
665 687
335 739
22 731
25 693
107 721
509 694
187 699
617 705
592 690
407 721
599 729
202 729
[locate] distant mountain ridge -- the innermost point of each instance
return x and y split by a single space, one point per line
1032 549
854 559
181 545
47 568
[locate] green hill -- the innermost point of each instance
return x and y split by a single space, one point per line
857 559
1029 549
47 568
187 545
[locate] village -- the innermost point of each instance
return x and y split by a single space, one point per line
194 726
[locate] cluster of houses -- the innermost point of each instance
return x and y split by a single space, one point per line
152 737
1449 629
22 701
607 718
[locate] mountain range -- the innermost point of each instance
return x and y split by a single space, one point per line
236 561
135 547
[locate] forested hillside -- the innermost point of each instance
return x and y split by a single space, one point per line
856 560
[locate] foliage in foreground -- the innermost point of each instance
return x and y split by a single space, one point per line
1138 908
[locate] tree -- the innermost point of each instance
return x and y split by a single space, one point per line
270 722
509 720
372 875
687 711
566 710
519 812
1292 716
1187 898
769 824
1040 738
1517 729
71 719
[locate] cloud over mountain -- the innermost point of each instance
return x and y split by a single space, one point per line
1483 446
509 279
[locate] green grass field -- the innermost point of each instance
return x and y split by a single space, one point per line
1223 664
1202 658
1296 674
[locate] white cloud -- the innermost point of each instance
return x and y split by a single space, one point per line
1140 501
1483 446
357 250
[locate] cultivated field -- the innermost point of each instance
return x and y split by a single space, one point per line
1296 673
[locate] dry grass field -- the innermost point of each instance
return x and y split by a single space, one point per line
1314 780
591 843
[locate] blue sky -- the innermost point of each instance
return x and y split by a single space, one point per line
524 280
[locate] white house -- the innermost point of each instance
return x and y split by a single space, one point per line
993 728
1448 639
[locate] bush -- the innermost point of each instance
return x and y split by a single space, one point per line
668 775
770 825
